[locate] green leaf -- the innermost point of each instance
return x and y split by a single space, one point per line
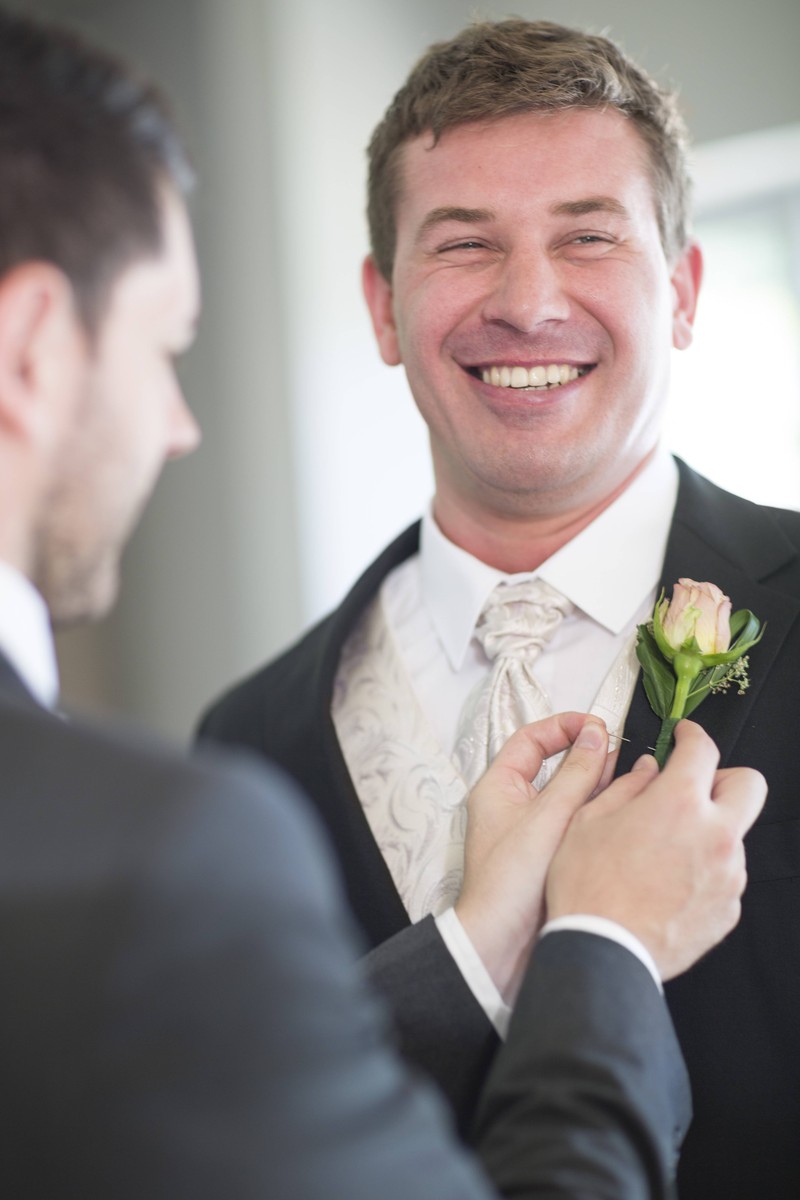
658 679
702 687
746 630
697 695
724 656
744 620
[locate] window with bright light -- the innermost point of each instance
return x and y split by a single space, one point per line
735 407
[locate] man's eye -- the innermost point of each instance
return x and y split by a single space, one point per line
467 245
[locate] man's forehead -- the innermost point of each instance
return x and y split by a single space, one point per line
524 131
456 171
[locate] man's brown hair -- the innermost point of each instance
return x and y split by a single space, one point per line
497 69
85 150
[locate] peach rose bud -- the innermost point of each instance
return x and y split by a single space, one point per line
700 611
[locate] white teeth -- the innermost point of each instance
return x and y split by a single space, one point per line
553 375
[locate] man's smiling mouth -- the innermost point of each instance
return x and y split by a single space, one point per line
538 378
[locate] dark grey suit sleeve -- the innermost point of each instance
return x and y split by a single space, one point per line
592 1071
590 1097
440 1027
184 1016
242 1054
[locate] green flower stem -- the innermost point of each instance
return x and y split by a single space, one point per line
687 667
663 746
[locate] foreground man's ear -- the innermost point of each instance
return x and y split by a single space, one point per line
686 277
42 342
380 302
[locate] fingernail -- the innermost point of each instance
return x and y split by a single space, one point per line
590 736
645 763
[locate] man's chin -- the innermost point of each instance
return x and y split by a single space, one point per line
87 604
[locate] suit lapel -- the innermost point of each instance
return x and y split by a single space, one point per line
737 545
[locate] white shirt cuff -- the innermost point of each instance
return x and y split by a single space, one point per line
586 923
477 978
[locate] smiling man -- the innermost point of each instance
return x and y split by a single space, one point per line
532 271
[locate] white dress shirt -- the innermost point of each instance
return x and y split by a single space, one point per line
609 571
26 638
419 643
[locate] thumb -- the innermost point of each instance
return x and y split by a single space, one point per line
581 770
526 750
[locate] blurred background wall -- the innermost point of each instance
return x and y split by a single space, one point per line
313 456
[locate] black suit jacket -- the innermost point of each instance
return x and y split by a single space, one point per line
182 1015
737 1013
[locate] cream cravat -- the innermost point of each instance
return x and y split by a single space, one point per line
517 620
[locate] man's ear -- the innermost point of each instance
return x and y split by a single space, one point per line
380 302
39 334
687 275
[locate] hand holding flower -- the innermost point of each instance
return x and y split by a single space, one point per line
691 647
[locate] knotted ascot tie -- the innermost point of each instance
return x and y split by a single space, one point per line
517 620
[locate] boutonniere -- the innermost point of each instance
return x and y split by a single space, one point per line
690 647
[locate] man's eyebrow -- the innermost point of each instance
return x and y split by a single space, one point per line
463 216
592 204
476 216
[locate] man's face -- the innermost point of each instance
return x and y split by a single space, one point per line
528 250
128 417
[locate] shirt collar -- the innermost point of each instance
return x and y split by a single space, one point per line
25 635
607 570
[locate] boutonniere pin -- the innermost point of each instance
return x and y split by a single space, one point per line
690 647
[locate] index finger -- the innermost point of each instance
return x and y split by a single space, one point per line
740 791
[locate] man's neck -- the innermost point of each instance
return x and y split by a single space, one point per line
517 543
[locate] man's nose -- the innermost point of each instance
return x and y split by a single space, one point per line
528 292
